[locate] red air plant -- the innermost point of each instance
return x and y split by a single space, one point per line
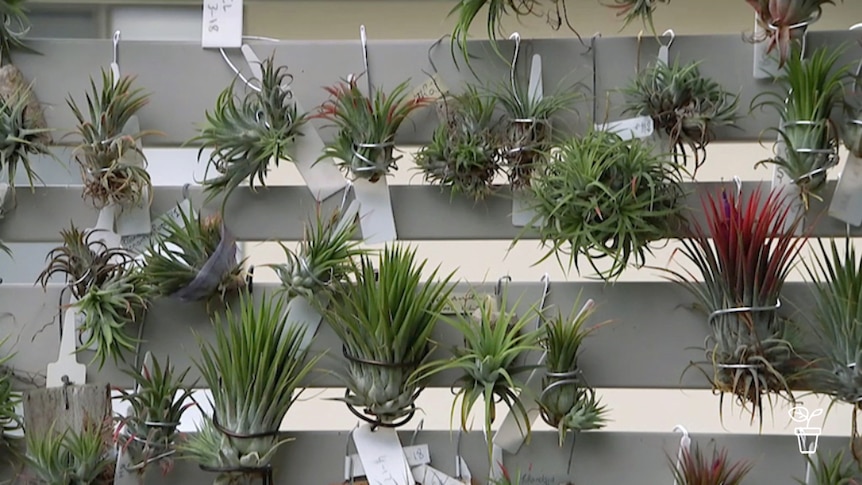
367 126
780 18
695 468
744 255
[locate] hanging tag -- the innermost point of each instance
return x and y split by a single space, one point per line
536 87
640 127
428 475
433 88
381 456
67 364
139 243
222 24
522 214
664 54
104 230
417 455
122 474
765 66
300 312
134 219
846 203
789 191
376 218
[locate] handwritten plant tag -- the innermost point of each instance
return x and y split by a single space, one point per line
629 128
432 88
222 24
846 202
417 455
381 456
122 473
428 475
376 217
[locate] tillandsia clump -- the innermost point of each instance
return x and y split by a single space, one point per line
113 167
785 21
603 197
385 320
832 470
71 457
495 341
464 153
528 132
567 402
744 255
694 467
367 125
836 283
683 104
813 87
107 289
325 255
149 431
195 260
249 134
10 420
254 367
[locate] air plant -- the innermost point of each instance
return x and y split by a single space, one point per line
464 154
686 106
249 134
255 367
149 431
567 402
836 284
10 420
603 197
71 457
367 127
325 255
195 260
113 167
528 134
832 471
20 139
783 21
385 320
495 339
695 468
744 256
468 10
812 88
631 10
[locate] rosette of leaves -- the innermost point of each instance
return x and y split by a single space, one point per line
528 133
113 167
603 197
149 431
812 88
10 420
631 10
743 257
567 402
464 154
326 254
832 470
367 125
247 135
385 320
194 260
496 340
107 289
71 457
696 468
20 139
784 21
255 366
686 106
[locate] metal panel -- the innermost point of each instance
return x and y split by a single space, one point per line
273 213
652 325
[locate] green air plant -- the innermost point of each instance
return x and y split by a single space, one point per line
631 10
785 21
468 10
743 258
107 290
684 105
248 134
70 457
367 126
19 138
836 284
254 366
528 135
495 341
464 154
831 471
567 402
113 167
808 137
694 467
385 320
149 431
603 197
195 260
325 255
10 420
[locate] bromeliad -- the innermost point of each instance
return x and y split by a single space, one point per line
783 21
695 468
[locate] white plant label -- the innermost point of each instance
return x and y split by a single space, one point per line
536 85
432 88
104 230
301 313
640 127
376 217
222 24
790 193
417 455
67 362
522 214
847 200
323 178
122 474
428 475
139 243
382 456
664 54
